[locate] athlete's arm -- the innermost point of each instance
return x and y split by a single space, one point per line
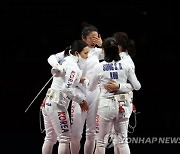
55 60
100 53
133 79
68 89
115 86
94 80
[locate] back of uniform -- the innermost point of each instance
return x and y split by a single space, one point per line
120 72
114 106
109 114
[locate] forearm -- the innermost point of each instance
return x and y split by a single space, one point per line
126 87
118 87
73 94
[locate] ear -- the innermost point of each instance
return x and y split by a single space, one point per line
76 53
82 38
120 48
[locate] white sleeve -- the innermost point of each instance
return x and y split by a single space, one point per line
125 87
56 59
133 79
68 89
95 79
100 53
131 62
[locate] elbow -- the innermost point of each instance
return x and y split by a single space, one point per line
52 60
49 59
137 87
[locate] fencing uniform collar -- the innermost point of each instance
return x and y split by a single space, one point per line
122 54
74 58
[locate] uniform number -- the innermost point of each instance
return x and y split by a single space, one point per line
114 75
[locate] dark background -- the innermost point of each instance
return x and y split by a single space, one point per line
31 31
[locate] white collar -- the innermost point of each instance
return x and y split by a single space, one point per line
75 58
122 54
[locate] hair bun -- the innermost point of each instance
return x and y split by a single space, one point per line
85 24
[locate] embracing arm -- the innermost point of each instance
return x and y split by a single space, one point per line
115 86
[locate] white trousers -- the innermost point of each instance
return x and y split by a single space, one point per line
57 127
78 120
109 117
119 147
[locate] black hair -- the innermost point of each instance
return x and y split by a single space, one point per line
77 45
66 51
111 50
87 29
127 44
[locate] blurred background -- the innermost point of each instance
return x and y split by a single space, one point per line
31 31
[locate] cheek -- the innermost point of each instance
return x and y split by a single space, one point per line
84 56
89 40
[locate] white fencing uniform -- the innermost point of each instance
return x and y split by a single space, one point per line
126 57
114 108
77 116
56 117
56 59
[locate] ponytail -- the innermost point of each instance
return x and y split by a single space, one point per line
67 51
